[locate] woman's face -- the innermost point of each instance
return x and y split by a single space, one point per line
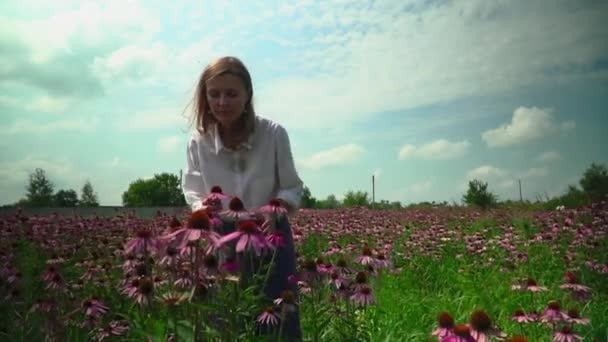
227 97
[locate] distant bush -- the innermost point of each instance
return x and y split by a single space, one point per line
479 195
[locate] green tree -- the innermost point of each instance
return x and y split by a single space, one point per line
307 200
66 198
88 197
162 190
595 182
356 198
478 194
39 190
330 202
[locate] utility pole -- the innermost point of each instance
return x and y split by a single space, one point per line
521 199
373 189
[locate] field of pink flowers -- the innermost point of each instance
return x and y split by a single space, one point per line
445 274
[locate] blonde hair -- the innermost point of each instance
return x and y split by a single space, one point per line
203 117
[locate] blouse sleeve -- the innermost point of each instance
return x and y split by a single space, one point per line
192 184
290 184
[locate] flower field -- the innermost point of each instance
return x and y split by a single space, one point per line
442 274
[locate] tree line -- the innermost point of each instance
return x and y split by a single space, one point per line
164 189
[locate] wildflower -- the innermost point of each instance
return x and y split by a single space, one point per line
175 224
366 257
482 328
94 307
446 326
276 239
573 284
236 211
215 198
230 265
462 333
248 236
382 261
566 335
170 258
274 209
342 267
196 228
56 282
287 301
173 299
143 242
336 279
363 296
553 313
268 317
144 292
529 285
114 328
521 317
184 281
575 317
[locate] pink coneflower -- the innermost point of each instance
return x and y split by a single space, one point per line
274 209
462 333
521 317
114 328
342 267
566 335
196 229
574 316
185 280
337 280
382 261
366 257
572 283
236 211
268 317
446 326
276 239
482 328
287 301
363 296
215 198
173 299
529 285
210 265
145 291
94 306
230 265
130 263
90 273
553 313
170 258
56 282
50 272
174 224
143 242
249 236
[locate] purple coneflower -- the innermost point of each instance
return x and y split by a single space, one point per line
529 285
553 313
170 258
521 317
574 316
342 267
143 241
274 208
249 236
185 279
363 296
462 333
446 326
236 211
215 198
287 301
144 292
366 257
276 239
230 265
94 307
482 328
566 334
572 283
114 328
336 279
268 317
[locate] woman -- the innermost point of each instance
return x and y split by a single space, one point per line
244 154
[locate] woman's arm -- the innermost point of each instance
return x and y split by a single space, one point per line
192 184
290 184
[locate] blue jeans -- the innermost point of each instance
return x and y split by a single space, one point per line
284 266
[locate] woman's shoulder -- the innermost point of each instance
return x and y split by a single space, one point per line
268 125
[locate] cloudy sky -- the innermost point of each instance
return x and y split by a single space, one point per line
426 95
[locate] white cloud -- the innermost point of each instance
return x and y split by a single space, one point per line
438 149
25 126
344 154
527 124
536 172
377 172
550 156
49 104
163 118
169 144
410 70
421 187
486 171
568 125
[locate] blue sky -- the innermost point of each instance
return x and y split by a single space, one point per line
425 94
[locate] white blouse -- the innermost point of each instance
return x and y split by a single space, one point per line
260 169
